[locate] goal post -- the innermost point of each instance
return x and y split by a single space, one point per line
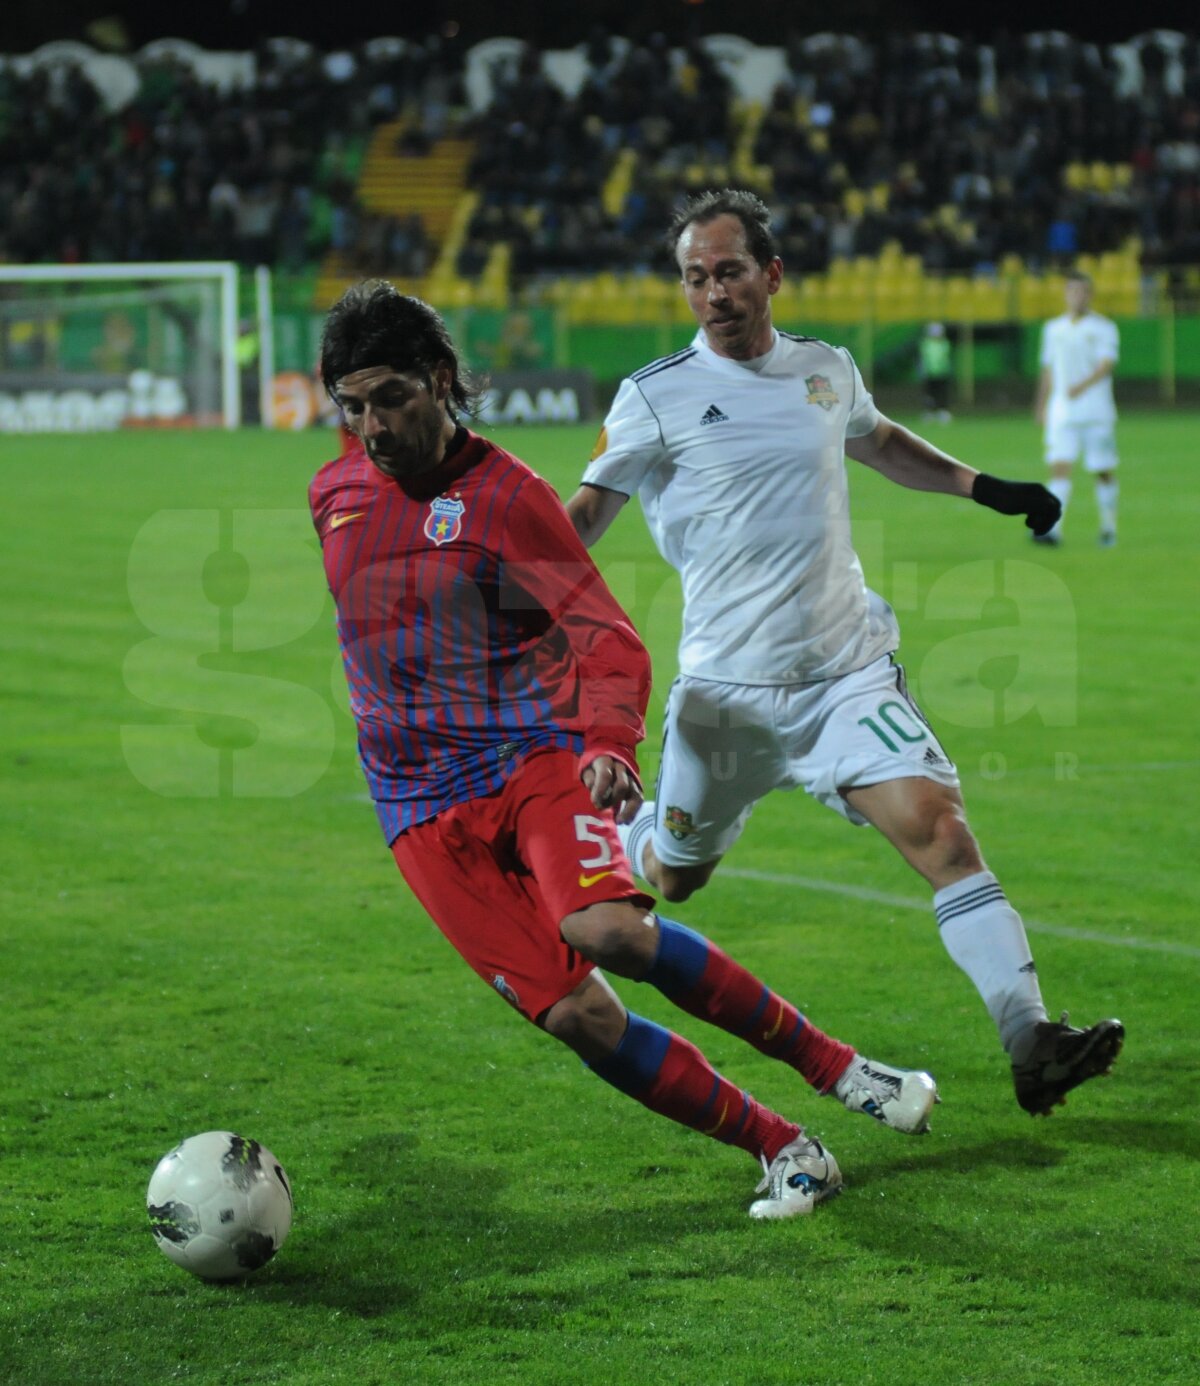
89 347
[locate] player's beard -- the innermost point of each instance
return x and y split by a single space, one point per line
412 454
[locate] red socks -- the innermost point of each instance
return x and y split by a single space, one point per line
703 980
668 1074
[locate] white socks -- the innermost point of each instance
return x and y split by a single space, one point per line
980 930
635 835
1106 501
985 937
1060 486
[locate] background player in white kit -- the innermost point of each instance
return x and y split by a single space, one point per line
1075 403
735 446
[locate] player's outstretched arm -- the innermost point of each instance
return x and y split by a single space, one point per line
592 509
1040 506
909 460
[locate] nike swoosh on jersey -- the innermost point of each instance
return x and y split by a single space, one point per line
774 1030
339 520
586 881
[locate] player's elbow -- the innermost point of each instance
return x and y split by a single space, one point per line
582 511
592 509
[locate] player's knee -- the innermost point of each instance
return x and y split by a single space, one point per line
929 826
616 934
590 1021
676 883
951 842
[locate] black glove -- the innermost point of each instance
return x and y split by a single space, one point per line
1040 507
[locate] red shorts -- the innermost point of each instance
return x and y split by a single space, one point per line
499 874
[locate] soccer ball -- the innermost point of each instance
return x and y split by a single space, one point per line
220 1206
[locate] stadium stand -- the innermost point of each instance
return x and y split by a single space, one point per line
919 176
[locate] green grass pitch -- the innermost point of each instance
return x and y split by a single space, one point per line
202 928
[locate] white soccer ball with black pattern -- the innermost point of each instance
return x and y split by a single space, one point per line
220 1205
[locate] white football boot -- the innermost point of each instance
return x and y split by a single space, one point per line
802 1175
901 1098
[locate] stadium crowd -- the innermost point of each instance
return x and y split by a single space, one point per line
963 153
187 171
1039 146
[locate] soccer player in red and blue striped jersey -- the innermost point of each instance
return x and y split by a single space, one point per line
499 693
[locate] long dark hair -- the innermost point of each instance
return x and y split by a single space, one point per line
374 324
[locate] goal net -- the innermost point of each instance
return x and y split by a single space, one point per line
92 347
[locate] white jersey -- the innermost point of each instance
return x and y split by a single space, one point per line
1072 348
741 472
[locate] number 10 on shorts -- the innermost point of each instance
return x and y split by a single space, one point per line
900 723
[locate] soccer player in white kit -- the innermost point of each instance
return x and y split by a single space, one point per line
1075 404
736 446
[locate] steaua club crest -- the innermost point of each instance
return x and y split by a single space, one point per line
444 521
678 822
506 990
821 392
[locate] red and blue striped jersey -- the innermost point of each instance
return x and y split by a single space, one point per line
474 627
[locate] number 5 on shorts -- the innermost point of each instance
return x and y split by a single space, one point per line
592 830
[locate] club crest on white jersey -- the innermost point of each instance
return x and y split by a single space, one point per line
821 391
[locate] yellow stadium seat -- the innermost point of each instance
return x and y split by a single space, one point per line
679 311
850 302
1029 297
559 291
932 298
456 293
653 295
989 300
1052 295
814 296
584 302
889 301
958 303
1102 177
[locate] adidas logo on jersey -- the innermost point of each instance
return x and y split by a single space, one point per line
713 415
932 757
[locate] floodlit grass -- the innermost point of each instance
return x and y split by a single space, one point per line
202 929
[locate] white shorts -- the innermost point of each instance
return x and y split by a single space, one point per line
726 745
1096 441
